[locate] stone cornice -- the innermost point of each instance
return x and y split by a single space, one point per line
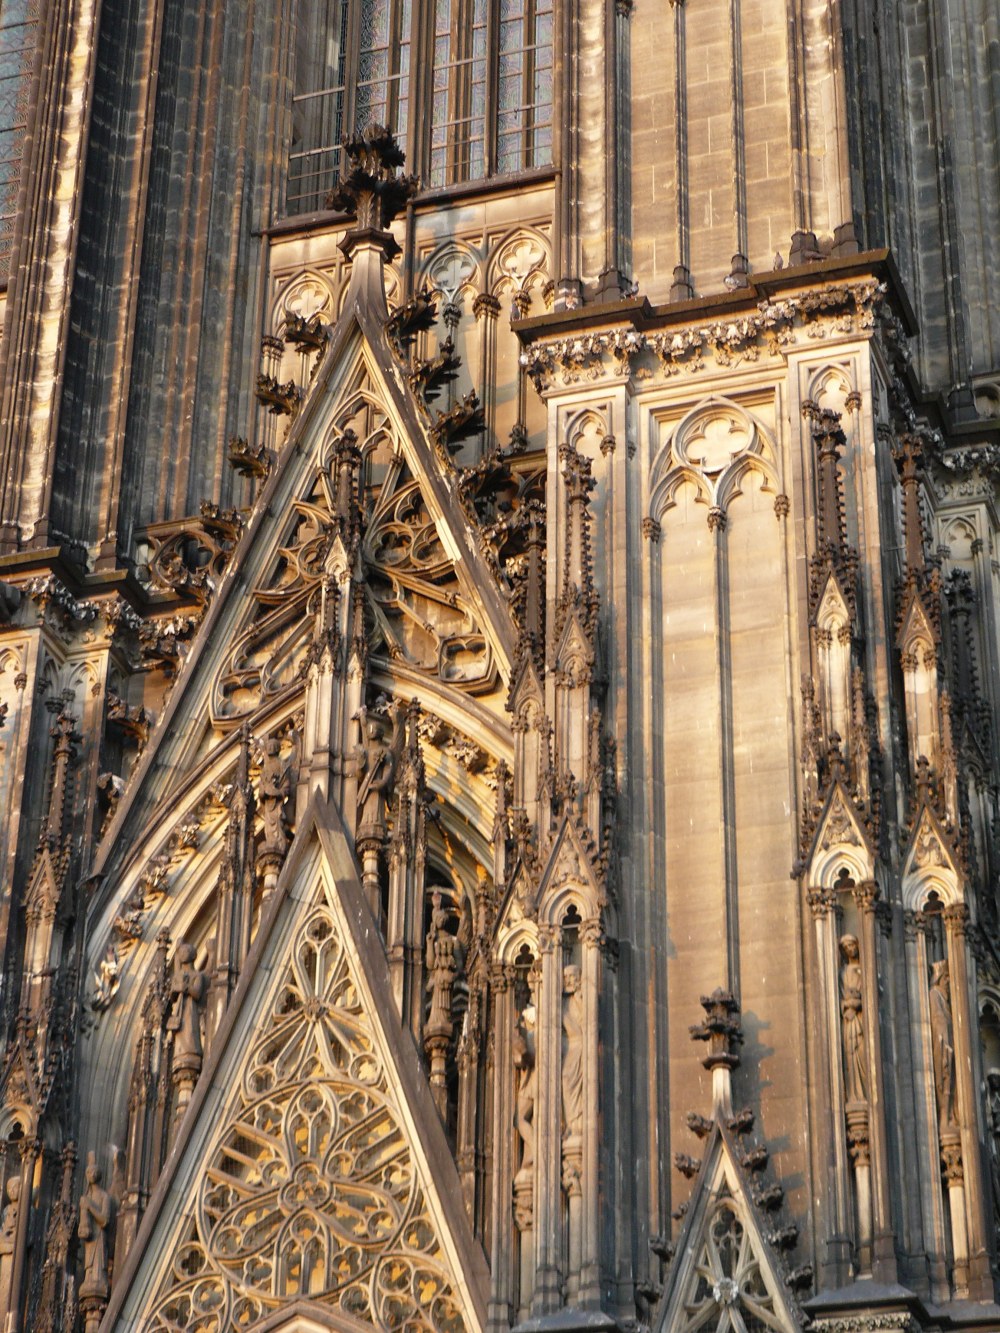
640 342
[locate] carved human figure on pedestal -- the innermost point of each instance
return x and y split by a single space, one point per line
943 1044
274 788
852 1025
572 1056
377 764
95 1214
441 965
187 988
524 1063
8 1240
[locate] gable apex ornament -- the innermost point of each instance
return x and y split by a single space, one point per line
371 190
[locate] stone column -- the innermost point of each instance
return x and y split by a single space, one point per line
866 895
30 1150
589 1289
823 908
501 1302
956 919
486 308
548 1127
928 1150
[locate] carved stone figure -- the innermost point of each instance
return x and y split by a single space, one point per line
943 1044
95 1214
377 762
8 1225
188 991
572 1056
441 965
274 788
524 1062
852 1021
107 979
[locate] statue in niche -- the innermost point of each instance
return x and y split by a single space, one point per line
572 1053
440 962
852 1021
524 1063
187 988
95 1214
943 1044
274 789
376 761
8 1239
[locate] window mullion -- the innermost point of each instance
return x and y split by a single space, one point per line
492 77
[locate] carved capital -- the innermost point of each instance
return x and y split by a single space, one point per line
822 901
549 938
866 895
486 305
951 1162
956 919
651 529
716 519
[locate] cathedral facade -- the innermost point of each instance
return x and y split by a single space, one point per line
499 666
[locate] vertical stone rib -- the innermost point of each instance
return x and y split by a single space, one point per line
739 140
727 777
681 288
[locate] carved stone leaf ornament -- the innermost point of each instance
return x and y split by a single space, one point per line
310 1190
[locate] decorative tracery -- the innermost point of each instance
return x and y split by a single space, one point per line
311 1189
728 1287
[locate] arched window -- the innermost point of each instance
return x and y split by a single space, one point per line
491 109
352 68
484 99
18 32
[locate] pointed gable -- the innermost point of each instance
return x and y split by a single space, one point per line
726 1276
930 851
841 829
252 642
311 1166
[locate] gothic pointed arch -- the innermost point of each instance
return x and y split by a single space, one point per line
725 1277
312 1162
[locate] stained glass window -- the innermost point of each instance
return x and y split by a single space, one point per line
491 109
352 65
18 32
486 99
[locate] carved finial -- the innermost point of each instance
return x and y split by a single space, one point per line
371 190
724 1035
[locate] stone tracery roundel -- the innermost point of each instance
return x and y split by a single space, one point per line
311 1189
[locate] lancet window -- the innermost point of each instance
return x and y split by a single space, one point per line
485 99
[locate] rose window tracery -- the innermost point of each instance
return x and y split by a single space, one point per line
729 1292
311 1189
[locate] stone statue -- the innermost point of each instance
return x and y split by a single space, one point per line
8 1240
274 789
187 988
852 1022
441 966
524 1063
95 1214
572 1055
943 1044
377 762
